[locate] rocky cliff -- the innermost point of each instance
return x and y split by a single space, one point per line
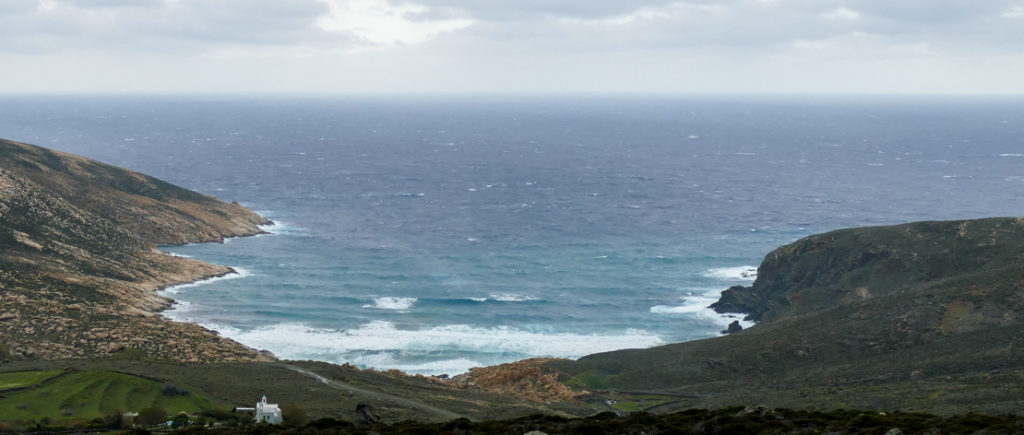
923 316
845 266
78 263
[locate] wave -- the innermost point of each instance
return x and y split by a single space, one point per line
380 344
698 304
498 297
387 361
1011 155
278 227
238 273
510 297
392 303
738 273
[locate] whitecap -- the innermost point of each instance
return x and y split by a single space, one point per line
697 304
278 227
738 273
369 341
1011 155
178 310
681 309
510 297
392 303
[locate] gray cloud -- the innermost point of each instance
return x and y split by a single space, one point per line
526 44
157 25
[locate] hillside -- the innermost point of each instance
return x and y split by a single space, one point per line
924 316
78 261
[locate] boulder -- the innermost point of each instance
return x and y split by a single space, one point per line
366 414
733 327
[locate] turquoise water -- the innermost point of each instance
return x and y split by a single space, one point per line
436 234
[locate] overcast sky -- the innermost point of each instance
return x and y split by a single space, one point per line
530 46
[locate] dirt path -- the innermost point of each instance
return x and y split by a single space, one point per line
351 389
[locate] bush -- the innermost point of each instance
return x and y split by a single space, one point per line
151 416
293 415
114 420
170 389
5 352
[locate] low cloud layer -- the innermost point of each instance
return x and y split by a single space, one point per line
932 46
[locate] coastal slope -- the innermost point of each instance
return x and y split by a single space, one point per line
923 316
79 268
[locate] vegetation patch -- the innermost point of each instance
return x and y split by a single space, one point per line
87 395
590 379
10 381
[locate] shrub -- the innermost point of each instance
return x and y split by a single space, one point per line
151 416
170 389
293 415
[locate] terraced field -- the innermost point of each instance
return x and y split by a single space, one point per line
10 381
85 395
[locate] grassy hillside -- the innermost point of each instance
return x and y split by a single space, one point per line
923 317
17 380
67 398
127 384
845 266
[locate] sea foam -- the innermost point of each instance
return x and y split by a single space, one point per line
392 303
367 344
510 297
738 273
697 304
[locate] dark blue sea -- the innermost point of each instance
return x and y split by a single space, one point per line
434 234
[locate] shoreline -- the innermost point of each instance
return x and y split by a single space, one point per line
161 289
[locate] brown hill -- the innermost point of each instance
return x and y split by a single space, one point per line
78 261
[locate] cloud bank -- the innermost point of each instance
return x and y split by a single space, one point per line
930 46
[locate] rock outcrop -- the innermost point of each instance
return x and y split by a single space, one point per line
828 270
528 379
923 316
79 268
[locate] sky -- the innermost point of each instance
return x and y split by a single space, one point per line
512 46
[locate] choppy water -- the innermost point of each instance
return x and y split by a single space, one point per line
436 234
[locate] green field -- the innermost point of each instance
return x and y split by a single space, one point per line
85 395
24 379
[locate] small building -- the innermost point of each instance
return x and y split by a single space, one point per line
264 412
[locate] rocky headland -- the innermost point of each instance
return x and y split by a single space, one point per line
924 316
79 267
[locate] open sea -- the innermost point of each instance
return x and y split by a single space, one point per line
434 234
